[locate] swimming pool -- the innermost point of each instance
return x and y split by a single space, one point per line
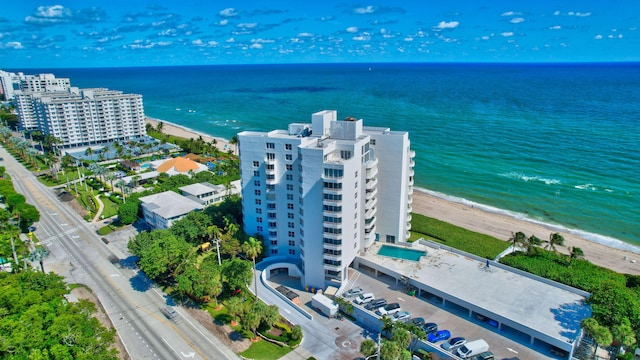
401 253
145 166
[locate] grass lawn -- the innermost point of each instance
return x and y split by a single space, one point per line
447 234
264 350
110 208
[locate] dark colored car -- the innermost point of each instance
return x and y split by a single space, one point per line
32 228
419 322
439 336
430 328
487 355
375 304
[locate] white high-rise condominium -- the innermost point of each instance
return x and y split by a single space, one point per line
80 117
321 193
10 82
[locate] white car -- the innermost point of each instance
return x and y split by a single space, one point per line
401 316
388 309
364 298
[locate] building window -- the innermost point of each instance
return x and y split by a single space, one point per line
287 147
274 251
271 145
271 177
372 142
258 219
289 157
292 234
289 196
290 187
271 167
290 206
290 215
271 156
271 206
257 192
333 173
292 251
292 243
271 187
256 182
259 228
391 239
258 202
272 215
274 242
330 185
273 224
289 167
256 173
258 211
291 225
273 234
289 176
256 163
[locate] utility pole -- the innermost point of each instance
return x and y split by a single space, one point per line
378 357
218 250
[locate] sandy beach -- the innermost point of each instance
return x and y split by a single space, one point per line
176 130
498 225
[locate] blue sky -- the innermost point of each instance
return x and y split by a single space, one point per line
191 32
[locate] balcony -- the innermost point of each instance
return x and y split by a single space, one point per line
409 208
371 164
333 267
370 204
371 184
371 173
412 153
412 162
332 236
370 213
409 199
411 172
332 246
333 257
370 195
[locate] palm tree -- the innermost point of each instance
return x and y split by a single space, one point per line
123 189
252 248
98 170
516 239
110 177
234 141
575 253
159 126
531 243
555 239
89 151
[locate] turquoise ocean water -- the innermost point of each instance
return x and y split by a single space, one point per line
558 144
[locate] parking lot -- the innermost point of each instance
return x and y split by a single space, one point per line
504 345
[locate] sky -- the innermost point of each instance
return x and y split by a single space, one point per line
114 33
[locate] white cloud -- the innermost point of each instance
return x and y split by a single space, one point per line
262 41
49 15
13 45
256 46
510 13
228 12
168 32
583 14
447 25
507 33
517 20
352 29
247 25
199 42
555 27
361 38
223 22
556 13
305 34
364 10
485 37
230 40
409 38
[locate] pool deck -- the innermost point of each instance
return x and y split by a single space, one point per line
537 307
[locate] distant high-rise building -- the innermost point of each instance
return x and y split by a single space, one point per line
79 117
321 193
12 82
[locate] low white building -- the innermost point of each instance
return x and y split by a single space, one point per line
161 210
207 194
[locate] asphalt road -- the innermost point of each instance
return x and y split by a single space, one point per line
131 301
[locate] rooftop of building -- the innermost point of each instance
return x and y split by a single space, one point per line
169 204
543 307
201 188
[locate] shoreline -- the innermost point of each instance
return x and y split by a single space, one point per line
485 219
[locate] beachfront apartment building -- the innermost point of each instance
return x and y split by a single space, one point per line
11 82
82 117
321 193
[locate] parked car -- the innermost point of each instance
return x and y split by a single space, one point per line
453 343
439 336
388 309
353 292
430 328
401 316
419 322
374 304
364 298
487 355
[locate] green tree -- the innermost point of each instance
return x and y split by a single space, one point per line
554 241
368 347
296 332
128 213
518 238
193 227
271 315
402 337
234 141
390 350
236 273
531 243
235 307
161 257
39 254
201 282
387 326
28 215
250 321
252 248
624 334
574 254
14 200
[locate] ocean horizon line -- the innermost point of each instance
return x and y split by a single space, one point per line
295 64
554 227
